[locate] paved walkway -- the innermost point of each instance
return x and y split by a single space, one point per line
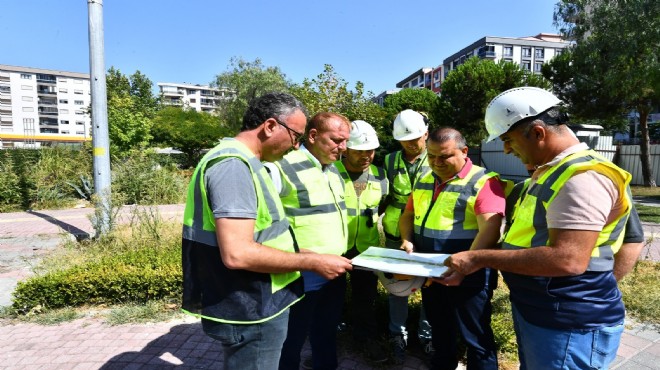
90 344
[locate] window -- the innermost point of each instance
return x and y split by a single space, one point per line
28 109
508 51
78 92
27 98
537 67
192 92
26 76
193 100
64 111
61 79
79 112
526 52
80 122
79 102
65 132
558 51
64 101
26 87
64 122
63 90
539 53
80 132
526 66
5 88
77 82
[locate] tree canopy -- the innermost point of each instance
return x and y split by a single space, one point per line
187 130
246 80
613 67
468 89
131 108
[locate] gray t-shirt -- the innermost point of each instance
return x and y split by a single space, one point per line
230 189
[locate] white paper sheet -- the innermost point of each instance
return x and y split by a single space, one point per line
400 262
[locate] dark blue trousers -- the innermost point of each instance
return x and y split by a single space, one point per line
318 314
464 311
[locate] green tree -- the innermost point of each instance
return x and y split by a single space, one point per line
420 100
613 67
131 109
468 89
246 80
187 130
329 92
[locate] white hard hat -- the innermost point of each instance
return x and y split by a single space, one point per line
403 287
362 136
409 125
514 105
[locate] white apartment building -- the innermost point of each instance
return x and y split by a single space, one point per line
529 52
41 107
202 98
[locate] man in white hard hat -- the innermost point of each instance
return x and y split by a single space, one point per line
558 256
457 207
403 168
366 188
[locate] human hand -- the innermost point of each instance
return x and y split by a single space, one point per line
462 263
331 266
449 278
407 246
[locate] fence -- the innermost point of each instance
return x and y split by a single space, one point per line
491 155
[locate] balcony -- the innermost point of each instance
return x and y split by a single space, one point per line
49 79
46 92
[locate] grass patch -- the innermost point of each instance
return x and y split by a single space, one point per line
641 292
152 311
643 191
648 213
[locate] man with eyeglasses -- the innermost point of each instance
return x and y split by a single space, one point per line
240 261
366 189
313 197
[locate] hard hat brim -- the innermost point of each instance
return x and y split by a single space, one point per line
364 146
411 136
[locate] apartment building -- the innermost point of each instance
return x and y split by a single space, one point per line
418 79
199 97
529 52
39 107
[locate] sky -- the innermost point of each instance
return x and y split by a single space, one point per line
191 41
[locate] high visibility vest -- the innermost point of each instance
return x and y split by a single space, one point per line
529 228
400 188
448 224
590 299
315 204
211 290
363 207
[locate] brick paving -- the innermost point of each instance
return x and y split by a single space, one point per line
89 343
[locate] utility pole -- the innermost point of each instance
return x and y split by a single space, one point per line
100 139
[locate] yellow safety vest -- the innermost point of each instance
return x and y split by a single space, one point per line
364 207
448 224
529 228
400 188
211 290
315 205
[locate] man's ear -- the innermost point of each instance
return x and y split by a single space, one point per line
311 135
269 127
539 132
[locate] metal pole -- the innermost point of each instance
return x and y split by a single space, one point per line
100 139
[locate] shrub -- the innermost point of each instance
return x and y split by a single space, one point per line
10 189
142 179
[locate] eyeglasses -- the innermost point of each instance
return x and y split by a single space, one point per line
298 136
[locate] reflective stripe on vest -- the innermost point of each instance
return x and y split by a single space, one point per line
451 215
315 205
359 234
400 188
529 228
266 295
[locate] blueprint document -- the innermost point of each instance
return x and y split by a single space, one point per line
400 262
